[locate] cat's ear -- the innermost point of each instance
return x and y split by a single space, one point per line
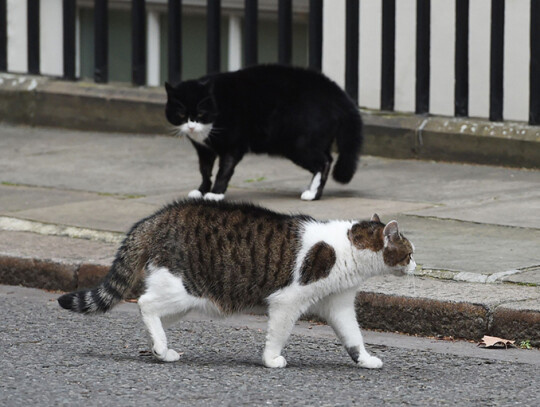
375 218
168 87
391 229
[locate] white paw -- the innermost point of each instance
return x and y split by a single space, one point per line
210 196
168 355
171 356
370 362
195 194
308 195
275 362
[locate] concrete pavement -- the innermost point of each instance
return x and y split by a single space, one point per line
67 197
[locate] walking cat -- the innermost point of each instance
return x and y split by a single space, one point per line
290 112
221 258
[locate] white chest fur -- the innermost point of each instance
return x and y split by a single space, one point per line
195 130
352 265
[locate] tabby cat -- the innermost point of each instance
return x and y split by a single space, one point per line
290 112
221 258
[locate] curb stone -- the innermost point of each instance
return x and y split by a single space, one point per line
387 312
421 316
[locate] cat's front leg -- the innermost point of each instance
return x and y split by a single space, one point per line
207 157
227 163
281 319
338 310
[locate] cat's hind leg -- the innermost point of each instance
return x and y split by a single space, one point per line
165 300
317 184
338 310
318 163
159 339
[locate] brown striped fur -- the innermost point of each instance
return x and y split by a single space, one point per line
371 235
399 249
367 235
235 255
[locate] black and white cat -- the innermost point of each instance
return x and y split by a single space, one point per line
290 112
221 258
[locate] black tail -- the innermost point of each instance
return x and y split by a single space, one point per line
124 274
349 142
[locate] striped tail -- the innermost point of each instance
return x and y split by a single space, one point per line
124 274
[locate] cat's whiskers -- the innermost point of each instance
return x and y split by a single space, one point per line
411 279
175 131
216 130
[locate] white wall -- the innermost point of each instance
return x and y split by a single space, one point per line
479 52
17 54
235 42
50 21
516 60
333 63
442 76
153 39
51 35
516 49
405 81
442 50
369 78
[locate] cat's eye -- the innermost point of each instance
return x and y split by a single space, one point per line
200 115
408 257
181 115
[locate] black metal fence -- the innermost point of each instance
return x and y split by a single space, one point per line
423 27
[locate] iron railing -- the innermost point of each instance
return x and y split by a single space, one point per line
315 57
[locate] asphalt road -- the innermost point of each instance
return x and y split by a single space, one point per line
51 357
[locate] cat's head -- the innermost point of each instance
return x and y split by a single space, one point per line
190 108
397 251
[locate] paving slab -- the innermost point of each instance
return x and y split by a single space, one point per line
405 180
134 164
56 248
526 305
526 277
523 210
471 247
107 214
434 289
329 207
147 165
14 198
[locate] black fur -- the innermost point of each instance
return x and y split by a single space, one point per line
291 112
